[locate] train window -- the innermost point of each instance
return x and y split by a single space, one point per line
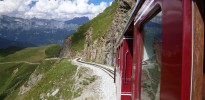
151 58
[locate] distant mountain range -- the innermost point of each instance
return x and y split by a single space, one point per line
35 32
4 43
78 20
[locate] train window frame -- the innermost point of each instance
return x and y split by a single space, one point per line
141 26
176 54
142 50
139 23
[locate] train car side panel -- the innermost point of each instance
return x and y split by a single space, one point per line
127 68
173 68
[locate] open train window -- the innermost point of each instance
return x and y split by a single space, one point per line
151 58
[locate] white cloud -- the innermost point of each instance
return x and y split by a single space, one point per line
110 3
51 9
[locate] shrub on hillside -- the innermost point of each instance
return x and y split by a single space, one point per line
53 51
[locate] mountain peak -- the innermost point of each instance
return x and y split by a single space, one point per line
78 20
34 31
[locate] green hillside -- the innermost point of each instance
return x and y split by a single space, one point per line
17 64
33 54
100 24
56 76
8 51
12 76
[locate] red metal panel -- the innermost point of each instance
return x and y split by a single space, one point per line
186 50
171 74
123 67
121 58
127 69
175 71
176 50
125 97
137 63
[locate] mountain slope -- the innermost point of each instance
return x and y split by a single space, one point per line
17 64
95 40
100 24
78 20
34 54
8 51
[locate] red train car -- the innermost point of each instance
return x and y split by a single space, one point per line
160 55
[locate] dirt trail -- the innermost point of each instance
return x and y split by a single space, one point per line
32 63
21 62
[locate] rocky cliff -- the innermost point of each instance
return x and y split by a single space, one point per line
99 42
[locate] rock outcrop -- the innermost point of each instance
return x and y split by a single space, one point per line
102 49
66 51
87 52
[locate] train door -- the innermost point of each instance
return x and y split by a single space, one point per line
126 93
162 51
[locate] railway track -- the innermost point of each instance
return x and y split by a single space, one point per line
106 70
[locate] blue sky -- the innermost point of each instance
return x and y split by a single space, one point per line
96 2
53 9
99 1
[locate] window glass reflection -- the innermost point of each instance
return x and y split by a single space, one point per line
151 58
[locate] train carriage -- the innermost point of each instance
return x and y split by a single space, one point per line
161 51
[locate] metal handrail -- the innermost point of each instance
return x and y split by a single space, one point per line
125 69
114 75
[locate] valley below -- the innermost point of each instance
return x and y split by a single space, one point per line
42 75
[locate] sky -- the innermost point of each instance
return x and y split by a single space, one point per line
53 9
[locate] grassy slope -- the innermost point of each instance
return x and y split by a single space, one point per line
56 76
11 81
42 68
100 24
8 51
33 54
53 51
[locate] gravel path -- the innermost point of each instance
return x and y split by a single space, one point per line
106 83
